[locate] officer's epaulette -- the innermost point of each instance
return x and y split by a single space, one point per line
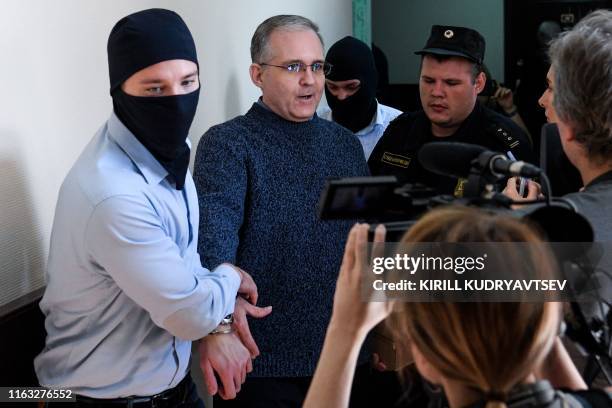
504 135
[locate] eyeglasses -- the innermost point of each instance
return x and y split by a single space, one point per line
296 67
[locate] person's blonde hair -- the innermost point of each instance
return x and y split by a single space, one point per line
488 347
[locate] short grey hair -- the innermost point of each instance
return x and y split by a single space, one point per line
582 62
261 37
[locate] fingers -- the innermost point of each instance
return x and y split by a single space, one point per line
209 377
248 288
244 373
379 240
497 93
349 259
224 362
501 92
258 312
379 233
511 190
361 239
533 190
241 324
238 378
504 98
254 295
228 383
231 383
244 332
239 369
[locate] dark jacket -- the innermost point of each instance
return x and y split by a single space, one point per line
396 152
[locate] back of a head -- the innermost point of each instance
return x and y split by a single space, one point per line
582 62
487 346
288 22
547 31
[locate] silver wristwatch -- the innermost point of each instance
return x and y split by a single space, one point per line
225 326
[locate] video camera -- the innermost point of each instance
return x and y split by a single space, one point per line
384 200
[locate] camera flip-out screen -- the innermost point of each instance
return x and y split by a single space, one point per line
356 197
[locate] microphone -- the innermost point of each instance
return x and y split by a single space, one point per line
499 165
449 159
458 159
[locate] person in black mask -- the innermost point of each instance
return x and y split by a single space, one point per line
350 89
126 293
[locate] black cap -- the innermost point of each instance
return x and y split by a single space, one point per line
455 41
146 38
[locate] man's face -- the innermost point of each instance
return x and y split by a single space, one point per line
166 78
291 95
343 89
448 94
547 98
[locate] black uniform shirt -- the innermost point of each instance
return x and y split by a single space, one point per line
396 153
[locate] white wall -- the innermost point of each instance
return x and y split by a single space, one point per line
55 96
401 27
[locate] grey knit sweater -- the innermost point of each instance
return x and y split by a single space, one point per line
259 178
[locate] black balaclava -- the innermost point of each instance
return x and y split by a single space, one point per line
353 59
161 124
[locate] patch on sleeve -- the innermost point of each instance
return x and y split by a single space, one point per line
506 137
460 187
396 160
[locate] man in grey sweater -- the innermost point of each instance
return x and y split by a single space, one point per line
259 178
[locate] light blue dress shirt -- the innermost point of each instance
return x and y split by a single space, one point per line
369 135
126 292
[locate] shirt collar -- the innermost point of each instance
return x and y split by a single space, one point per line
602 178
148 165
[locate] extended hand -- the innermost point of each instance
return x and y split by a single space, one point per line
533 190
247 288
225 355
504 99
241 310
350 311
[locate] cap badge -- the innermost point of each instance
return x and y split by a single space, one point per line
449 34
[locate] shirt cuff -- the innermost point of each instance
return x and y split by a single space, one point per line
233 280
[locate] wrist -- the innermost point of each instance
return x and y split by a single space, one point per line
236 269
225 327
344 330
